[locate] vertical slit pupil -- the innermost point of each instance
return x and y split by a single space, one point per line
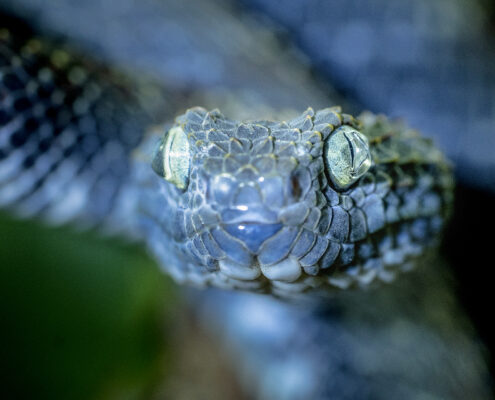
351 149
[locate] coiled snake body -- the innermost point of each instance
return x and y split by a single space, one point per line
321 200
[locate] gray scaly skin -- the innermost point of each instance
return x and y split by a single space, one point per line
260 211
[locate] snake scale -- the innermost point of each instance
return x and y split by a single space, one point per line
104 183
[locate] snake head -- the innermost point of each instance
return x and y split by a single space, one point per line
277 205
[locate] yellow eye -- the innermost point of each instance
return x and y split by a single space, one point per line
172 159
347 156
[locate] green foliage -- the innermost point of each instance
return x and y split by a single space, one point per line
81 317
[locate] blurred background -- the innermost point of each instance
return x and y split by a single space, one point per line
85 317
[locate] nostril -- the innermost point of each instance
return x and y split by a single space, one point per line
295 187
299 184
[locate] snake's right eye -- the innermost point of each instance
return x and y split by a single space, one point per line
172 159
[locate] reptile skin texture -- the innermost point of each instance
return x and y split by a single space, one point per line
67 129
261 213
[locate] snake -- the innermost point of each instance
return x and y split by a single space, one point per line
85 145
324 200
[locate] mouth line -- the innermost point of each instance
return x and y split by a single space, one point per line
286 270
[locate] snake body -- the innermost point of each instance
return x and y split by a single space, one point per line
68 128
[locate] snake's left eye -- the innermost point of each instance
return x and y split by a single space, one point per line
347 156
172 159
